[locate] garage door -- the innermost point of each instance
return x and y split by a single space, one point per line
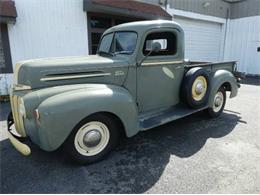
202 39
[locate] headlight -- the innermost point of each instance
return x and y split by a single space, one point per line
21 107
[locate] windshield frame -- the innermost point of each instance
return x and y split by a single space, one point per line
113 40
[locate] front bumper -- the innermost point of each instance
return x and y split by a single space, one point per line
16 140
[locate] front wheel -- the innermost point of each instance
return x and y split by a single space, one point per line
218 104
92 139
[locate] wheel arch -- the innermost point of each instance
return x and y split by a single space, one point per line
114 117
223 78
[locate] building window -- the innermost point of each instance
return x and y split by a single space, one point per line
98 24
167 40
5 55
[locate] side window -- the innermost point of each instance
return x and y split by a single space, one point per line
167 41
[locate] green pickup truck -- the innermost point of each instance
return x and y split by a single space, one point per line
138 80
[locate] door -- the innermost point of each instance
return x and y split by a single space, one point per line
202 39
251 59
159 76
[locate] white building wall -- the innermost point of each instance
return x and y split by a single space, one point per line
242 40
46 28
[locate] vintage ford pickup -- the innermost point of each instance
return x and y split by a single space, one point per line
138 80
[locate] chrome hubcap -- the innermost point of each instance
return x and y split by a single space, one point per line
92 138
218 101
199 87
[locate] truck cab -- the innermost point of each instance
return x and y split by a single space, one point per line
138 80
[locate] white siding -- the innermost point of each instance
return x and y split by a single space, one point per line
202 39
243 38
46 28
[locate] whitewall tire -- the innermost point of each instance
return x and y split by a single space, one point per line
92 139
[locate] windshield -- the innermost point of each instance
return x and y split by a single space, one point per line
118 43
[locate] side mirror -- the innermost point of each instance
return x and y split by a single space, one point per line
156 47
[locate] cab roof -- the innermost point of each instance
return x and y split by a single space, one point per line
141 26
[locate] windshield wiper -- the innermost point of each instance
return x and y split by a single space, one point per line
123 52
106 53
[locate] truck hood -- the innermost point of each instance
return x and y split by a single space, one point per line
48 72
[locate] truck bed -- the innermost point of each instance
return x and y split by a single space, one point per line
212 66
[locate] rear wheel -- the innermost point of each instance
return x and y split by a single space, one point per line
219 103
92 139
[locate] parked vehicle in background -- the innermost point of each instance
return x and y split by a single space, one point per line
138 80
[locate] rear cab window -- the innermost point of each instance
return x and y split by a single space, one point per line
167 40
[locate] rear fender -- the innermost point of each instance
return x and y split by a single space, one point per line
59 114
220 78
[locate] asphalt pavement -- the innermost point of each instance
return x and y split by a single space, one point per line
191 155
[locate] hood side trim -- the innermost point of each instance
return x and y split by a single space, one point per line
67 77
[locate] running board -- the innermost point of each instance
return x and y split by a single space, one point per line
153 119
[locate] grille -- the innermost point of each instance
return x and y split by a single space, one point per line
18 119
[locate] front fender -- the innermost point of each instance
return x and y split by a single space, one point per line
219 78
59 114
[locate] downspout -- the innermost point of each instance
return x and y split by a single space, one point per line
225 33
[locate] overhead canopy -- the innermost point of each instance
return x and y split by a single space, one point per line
129 8
7 11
